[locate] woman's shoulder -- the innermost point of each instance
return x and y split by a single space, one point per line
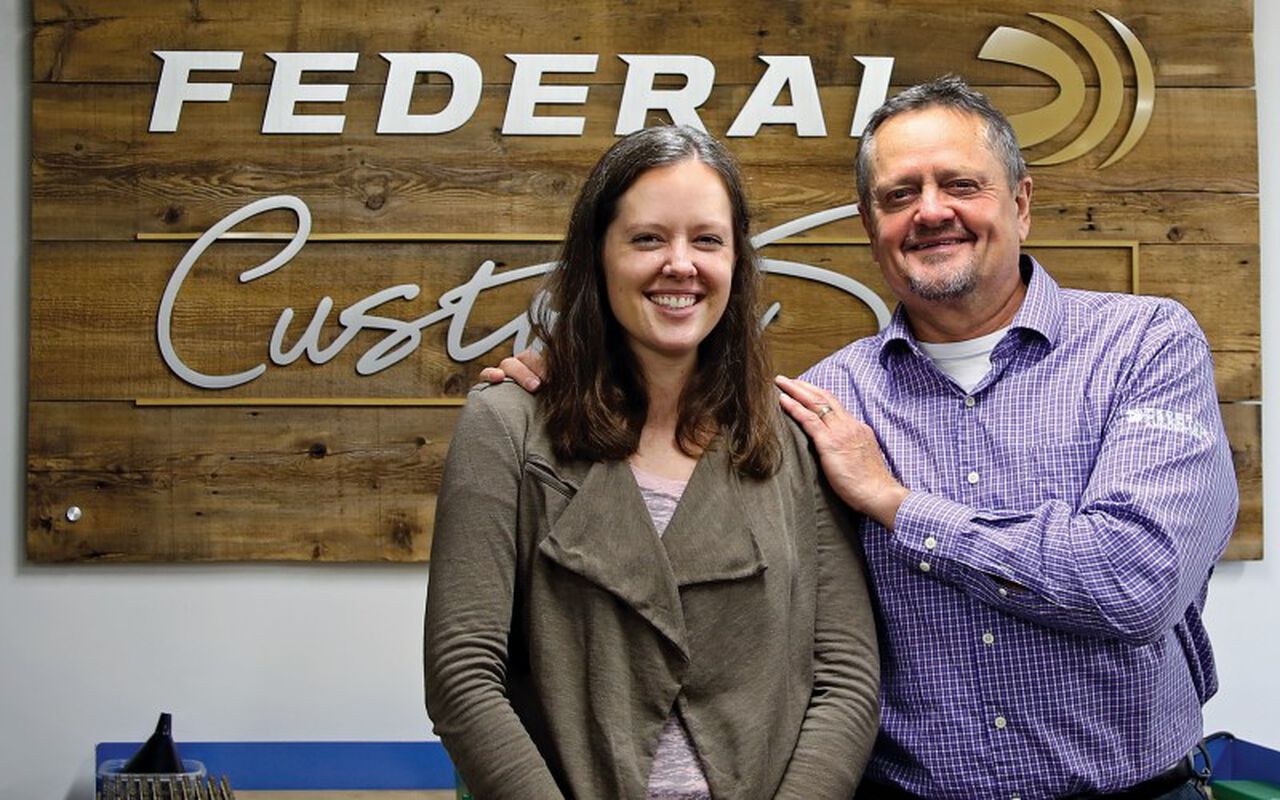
490 410
798 454
504 409
506 398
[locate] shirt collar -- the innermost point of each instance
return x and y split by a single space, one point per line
1041 312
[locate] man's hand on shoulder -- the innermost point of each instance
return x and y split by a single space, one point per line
526 368
847 447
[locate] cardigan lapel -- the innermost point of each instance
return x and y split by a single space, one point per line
605 535
710 537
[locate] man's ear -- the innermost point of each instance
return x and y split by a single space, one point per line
868 225
1022 197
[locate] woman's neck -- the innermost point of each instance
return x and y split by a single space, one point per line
659 453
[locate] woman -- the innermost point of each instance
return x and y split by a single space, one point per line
639 585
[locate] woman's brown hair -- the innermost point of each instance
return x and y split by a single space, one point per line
595 401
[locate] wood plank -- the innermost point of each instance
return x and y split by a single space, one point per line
312 484
1219 284
91 341
1145 217
97 173
1239 375
1167 141
233 484
1191 44
1243 423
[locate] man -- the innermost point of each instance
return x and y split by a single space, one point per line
1044 480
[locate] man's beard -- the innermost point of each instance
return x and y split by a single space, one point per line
944 287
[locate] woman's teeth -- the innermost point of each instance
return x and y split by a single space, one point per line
674 300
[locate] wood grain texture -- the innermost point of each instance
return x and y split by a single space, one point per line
1243 423
222 326
1200 44
233 484
1218 284
98 174
299 484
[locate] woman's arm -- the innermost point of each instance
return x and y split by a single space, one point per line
844 711
469 607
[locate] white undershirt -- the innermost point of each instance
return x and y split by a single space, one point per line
967 362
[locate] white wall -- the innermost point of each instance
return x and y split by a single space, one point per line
313 652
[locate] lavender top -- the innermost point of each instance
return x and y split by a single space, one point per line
1041 592
676 773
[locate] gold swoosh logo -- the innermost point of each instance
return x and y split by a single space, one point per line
1014 46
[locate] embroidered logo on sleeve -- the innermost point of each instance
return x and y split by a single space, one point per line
1168 420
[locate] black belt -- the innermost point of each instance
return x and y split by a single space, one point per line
1151 788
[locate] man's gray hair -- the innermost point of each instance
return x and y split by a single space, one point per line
948 91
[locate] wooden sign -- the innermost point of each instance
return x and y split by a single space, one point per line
287 391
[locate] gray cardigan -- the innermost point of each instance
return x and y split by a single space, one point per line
561 630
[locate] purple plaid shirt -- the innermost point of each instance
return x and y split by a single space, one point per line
1040 595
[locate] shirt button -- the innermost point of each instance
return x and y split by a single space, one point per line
988 638
972 477
930 543
1001 722
969 402
924 566
1003 591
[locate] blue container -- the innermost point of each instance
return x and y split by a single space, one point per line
1238 760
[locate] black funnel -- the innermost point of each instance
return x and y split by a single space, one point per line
157 754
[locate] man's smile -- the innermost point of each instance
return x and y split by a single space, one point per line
929 243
